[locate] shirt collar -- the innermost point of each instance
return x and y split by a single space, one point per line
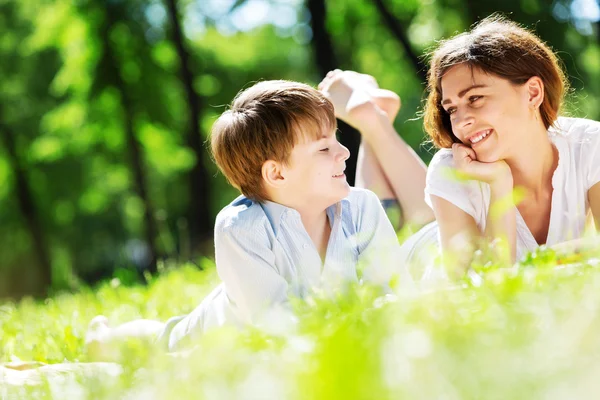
275 212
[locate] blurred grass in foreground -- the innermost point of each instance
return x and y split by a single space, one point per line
531 332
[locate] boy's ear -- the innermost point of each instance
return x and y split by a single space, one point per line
272 173
535 91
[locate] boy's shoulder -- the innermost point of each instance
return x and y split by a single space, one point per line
241 214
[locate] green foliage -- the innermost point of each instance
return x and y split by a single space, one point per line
75 72
528 331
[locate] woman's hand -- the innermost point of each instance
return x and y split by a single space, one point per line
466 164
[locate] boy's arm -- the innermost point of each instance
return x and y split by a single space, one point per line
246 265
379 249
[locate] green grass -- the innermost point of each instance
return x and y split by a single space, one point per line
530 333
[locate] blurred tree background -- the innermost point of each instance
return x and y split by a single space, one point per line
105 107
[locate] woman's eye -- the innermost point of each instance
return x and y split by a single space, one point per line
451 110
473 99
325 149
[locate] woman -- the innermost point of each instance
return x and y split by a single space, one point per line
494 96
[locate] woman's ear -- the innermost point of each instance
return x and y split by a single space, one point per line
272 174
535 91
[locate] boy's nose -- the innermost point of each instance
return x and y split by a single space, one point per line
343 154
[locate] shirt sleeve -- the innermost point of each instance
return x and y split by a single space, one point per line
443 183
378 247
592 153
246 265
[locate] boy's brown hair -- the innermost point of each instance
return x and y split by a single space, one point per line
499 47
264 123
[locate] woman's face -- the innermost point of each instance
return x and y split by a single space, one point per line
487 113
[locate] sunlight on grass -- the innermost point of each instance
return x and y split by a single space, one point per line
524 332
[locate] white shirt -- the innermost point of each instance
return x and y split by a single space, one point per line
264 255
578 144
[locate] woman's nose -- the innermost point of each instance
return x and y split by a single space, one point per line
463 118
462 122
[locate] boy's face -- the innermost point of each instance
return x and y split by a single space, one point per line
315 171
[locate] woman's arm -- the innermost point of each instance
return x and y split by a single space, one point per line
501 221
585 243
459 235
594 199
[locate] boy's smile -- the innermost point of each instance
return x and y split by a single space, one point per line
315 171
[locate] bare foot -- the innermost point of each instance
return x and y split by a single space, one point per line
106 343
97 339
350 91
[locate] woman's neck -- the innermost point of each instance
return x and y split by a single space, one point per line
534 163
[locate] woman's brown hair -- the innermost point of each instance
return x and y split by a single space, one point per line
500 47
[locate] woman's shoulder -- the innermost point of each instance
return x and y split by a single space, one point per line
581 136
442 157
576 130
442 160
442 177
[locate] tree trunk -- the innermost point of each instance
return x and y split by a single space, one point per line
326 61
472 13
133 145
397 30
43 279
200 224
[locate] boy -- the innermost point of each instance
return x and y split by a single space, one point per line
298 225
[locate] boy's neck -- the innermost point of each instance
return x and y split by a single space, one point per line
318 227
311 214
314 219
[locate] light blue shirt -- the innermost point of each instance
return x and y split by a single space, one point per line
264 255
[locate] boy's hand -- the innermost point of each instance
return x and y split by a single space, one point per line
357 98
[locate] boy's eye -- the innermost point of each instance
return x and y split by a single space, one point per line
325 149
473 99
